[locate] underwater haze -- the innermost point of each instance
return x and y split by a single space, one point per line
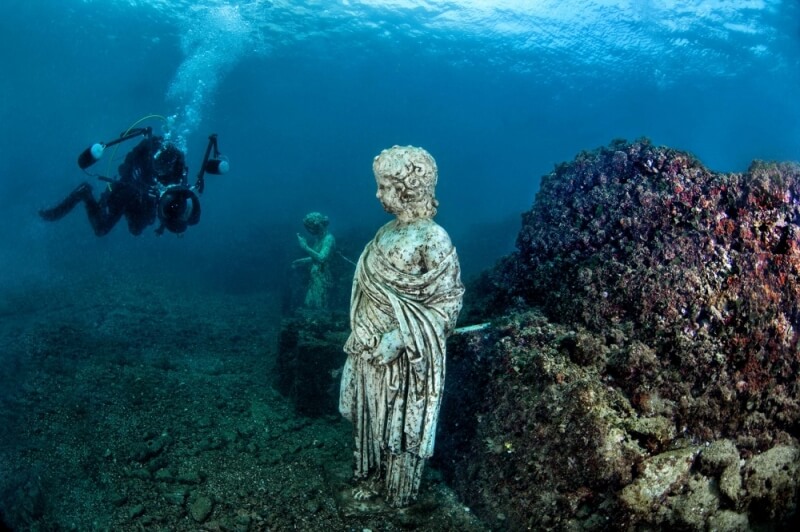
136 371
304 94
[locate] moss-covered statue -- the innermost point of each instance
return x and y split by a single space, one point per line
319 254
406 297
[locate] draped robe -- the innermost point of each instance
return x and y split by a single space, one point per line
395 406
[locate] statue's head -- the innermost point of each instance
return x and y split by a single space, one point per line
315 223
406 178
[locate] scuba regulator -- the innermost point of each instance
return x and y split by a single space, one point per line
177 203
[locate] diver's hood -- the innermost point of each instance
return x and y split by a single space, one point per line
169 165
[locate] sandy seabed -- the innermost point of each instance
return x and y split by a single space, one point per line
134 403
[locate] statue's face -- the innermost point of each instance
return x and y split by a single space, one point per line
389 195
314 229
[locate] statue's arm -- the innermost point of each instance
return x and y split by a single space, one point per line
444 311
328 244
439 248
325 250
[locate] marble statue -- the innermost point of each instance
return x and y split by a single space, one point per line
319 254
406 296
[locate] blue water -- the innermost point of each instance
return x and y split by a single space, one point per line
303 94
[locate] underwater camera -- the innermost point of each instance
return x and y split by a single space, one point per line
178 208
178 204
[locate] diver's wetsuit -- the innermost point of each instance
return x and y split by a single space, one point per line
132 195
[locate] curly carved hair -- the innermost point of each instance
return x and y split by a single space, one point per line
414 172
315 222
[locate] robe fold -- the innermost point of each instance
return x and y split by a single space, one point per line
395 406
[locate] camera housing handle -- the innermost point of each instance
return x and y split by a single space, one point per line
217 165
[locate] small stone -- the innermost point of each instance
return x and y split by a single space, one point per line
204 422
164 475
200 508
142 474
145 451
135 511
189 477
118 499
176 497
311 506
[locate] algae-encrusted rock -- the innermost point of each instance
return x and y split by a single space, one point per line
698 501
717 456
657 476
771 481
729 521
704 267
659 428
652 304
721 460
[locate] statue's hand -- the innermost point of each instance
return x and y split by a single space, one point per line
389 348
302 241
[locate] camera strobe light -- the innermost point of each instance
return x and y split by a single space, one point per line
90 155
218 166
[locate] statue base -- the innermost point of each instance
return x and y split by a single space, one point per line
310 359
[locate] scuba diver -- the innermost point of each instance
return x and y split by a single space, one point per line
152 184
